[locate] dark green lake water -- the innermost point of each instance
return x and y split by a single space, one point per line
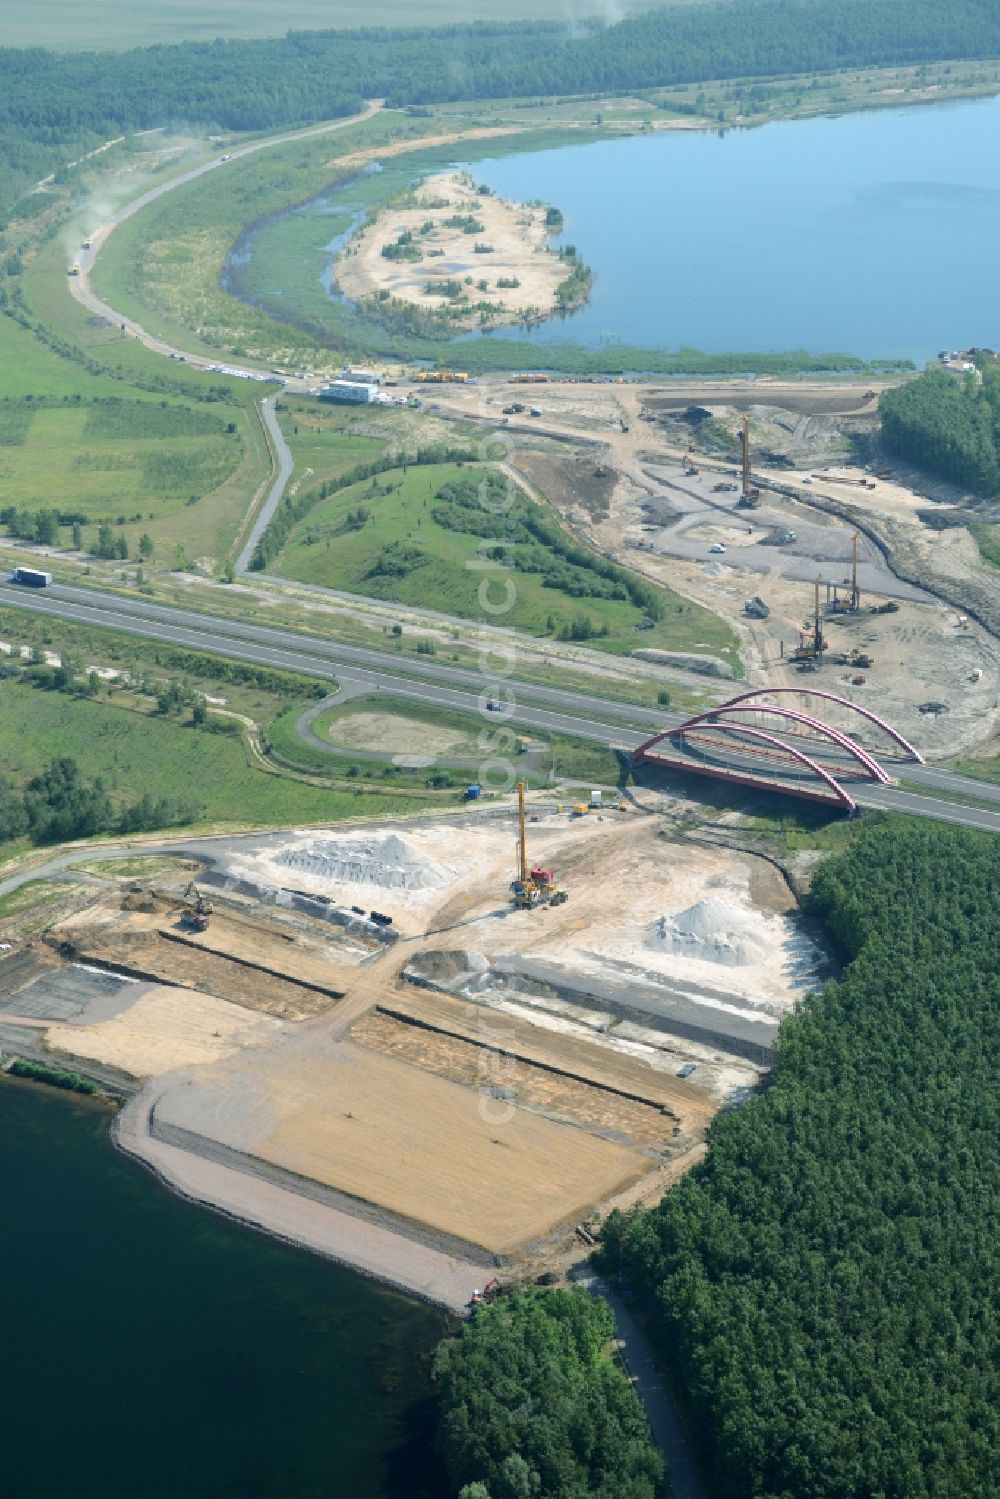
153 1350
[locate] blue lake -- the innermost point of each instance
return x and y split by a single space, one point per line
875 234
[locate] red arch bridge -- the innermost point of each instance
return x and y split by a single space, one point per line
767 739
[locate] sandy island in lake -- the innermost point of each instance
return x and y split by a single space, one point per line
516 235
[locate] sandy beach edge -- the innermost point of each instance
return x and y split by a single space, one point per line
376 1253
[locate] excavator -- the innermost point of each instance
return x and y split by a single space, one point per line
534 886
198 908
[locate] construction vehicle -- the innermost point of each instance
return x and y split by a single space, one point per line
442 377
533 886
691 468
198 909
756 608
74 269
809 651
532 379
490 1292
889 607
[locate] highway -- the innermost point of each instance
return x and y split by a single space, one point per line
523 704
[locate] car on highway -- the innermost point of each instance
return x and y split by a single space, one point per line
717 547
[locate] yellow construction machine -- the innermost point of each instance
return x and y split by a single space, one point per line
533 886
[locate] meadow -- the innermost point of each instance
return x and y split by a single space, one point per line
164 267
65 26
109 460
135 751
385 538
97 425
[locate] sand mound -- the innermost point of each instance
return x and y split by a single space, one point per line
714 932
387 861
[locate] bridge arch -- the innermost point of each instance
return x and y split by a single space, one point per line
843 702
842 795
867 761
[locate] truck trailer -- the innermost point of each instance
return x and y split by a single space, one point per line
31 577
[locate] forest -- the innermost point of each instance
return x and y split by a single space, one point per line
949 425
53 106
823 1286
531 1406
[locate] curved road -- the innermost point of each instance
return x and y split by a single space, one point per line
80 285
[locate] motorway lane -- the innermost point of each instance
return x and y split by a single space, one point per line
291 652
294 654
894 799
354 663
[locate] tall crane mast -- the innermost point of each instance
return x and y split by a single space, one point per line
818 642
746 454
855 595
522 838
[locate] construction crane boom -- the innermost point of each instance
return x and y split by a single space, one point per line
522 837
746 453
855 595
818 628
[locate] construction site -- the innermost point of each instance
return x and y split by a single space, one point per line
755 499
437 1052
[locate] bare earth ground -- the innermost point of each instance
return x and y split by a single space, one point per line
395 735
936 672
515 232
414 1130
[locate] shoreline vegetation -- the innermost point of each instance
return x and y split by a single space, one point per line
42 1072
448 257
383 326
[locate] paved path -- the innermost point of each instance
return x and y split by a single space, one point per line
284 464
664 1421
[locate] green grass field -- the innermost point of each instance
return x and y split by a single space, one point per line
446 575
118 457
135 752
138 435
65 25
327 441
982 769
